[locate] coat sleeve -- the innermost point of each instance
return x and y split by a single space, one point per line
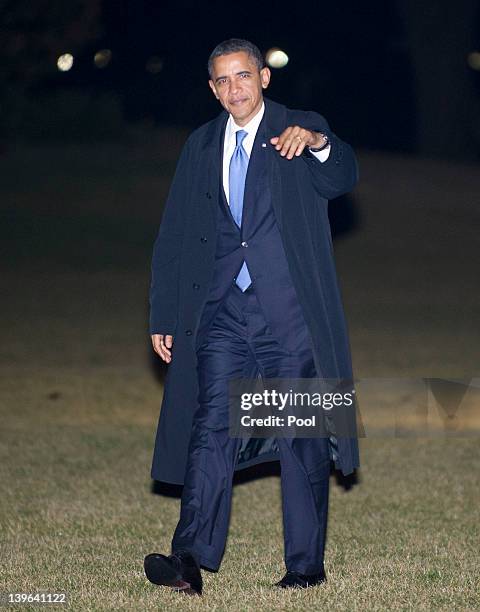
167 250
339 173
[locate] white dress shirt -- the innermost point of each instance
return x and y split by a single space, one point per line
230 142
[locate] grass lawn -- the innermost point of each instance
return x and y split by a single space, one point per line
78 513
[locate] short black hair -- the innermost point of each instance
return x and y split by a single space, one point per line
235 45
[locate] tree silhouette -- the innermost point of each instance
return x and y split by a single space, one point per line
34 34
441 34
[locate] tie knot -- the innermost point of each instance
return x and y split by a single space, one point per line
240 134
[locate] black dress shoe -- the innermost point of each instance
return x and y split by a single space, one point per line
180 571
295 580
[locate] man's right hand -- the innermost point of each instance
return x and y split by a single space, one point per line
162 346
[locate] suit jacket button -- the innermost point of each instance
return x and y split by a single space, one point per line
244 244
209 195
188 332
203 239
195 286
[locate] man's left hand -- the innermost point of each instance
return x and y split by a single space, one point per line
294 139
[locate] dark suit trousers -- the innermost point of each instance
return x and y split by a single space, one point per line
240 344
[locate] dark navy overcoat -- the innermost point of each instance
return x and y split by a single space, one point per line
183 260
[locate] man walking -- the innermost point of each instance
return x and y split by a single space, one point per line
244 284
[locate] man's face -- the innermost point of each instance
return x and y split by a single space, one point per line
238 84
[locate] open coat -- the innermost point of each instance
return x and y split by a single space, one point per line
182 267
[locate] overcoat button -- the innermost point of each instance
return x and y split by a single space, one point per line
203 239
195 286
188 332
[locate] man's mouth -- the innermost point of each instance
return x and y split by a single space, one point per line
239 101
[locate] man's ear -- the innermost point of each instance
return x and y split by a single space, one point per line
212 87
265 75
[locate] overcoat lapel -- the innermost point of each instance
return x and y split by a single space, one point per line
212 155
275 123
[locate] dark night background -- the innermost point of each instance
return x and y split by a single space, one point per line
392 75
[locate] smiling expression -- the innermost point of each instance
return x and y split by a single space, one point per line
238 84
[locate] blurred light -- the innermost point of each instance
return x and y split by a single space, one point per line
154 64
276 58
473 60
102 58
65 62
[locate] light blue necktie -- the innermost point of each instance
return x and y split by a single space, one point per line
236 185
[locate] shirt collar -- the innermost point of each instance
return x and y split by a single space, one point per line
251 127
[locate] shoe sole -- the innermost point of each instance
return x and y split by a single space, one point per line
158 570
299 586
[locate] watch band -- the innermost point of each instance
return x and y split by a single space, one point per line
327 142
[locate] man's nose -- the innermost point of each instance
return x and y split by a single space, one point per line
234 85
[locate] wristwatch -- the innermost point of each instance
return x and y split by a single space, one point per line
327 142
